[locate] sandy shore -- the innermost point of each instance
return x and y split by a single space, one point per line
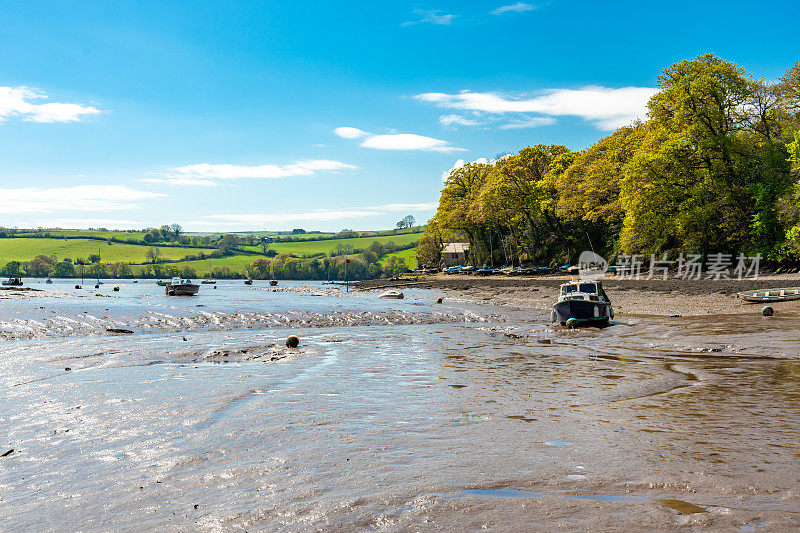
630 297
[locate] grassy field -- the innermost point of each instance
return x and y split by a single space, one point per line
327 246
236 263
18 249
410 257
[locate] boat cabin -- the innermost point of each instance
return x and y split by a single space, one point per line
583 290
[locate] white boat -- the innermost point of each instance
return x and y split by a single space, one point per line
397 295
784 294
582 302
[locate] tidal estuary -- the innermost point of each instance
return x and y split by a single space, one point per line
391 415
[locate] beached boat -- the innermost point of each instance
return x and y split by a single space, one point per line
582 303
181 287
784 294
397 295
13 281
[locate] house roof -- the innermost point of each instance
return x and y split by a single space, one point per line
456 247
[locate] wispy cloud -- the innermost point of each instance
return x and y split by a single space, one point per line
20 102
207 174
457 120
527 122
519 7
431 17
78 198
396 141
320 215
85 223
606 108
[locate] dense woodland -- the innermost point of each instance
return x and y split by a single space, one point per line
713 169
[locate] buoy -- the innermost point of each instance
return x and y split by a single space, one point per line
439 300
571 323
293 341
767 311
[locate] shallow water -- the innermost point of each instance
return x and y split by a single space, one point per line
393 414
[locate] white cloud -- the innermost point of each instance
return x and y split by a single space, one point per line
457 120
397 141
431 17
408 141
207 174
528 122
320 215
17 102
78 198
519 7
460 164
350 133
606 108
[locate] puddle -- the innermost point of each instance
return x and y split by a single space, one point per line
557 443
682 506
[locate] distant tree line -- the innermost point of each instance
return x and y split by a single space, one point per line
713 169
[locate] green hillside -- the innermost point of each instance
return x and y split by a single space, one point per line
25 249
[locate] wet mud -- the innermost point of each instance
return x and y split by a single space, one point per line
391 417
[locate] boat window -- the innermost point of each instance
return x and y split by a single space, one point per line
590 288
569 289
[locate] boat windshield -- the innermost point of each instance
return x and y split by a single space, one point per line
589 288
569 289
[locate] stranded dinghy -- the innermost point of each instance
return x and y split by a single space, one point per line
582 303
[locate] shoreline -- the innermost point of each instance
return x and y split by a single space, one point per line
655 297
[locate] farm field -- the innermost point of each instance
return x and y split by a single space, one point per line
410 257
18 249
327 246
237 263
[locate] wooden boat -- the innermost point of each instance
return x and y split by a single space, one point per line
582 303
179 287
13 281
781 294
397 295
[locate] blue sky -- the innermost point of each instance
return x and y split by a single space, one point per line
323 115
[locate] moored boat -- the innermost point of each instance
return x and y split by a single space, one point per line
49 281
181 287
161 283
781 294
582 303
273 282
13 281
209 282
248 282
